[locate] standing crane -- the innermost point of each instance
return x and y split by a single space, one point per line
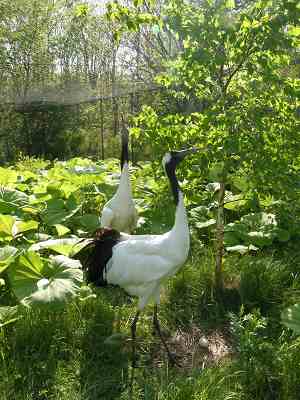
140 264
119 212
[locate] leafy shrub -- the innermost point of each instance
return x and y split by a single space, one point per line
255 355
270 367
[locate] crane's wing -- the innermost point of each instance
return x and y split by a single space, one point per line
135 263
107 217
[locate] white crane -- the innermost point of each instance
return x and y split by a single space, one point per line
140 264
119 212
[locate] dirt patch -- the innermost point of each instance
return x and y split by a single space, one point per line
194 348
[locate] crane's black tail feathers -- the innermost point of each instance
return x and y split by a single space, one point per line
124 139
95 256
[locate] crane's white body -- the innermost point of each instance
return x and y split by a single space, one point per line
119 212
140 263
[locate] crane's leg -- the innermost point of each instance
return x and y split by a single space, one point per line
156 324
133 337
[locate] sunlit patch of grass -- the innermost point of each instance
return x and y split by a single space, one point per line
48 353
219 382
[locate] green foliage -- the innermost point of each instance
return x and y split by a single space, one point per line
67 246
259 229
266 363
128 18
12 200
256 354
239 103
291 318
7 256
41 203
35 281
191 297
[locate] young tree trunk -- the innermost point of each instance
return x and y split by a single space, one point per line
220 240
102 129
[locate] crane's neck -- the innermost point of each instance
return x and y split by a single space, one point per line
179 236
171 174
180 230
124 188
124 152
180 214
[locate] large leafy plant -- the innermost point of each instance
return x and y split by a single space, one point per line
38 281
48 212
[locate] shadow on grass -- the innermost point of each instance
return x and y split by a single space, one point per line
63 355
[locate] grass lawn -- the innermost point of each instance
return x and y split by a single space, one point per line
83 351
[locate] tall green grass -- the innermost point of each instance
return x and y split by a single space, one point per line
67 355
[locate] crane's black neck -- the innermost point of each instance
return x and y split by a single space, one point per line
170 168
124 152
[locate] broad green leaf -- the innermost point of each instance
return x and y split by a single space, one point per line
199 211
7 256
24 274
23 226
90 222
39 198
6 225
234 202
61 280
55 204
241 183
12 200
259 238
231 239
54 189
67 246
238 228
206 224
7 176
71 203
56 213
291 318
257 220
61 229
